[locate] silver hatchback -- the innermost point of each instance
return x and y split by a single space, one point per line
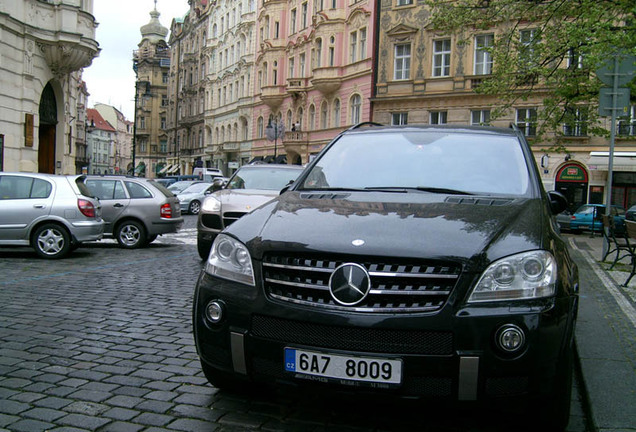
53 214
136 210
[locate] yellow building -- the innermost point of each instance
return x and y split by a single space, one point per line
427 77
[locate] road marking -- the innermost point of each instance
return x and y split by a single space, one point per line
610 284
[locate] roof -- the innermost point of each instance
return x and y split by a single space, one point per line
97 121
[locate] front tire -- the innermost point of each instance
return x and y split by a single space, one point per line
51 241
131 235
194 207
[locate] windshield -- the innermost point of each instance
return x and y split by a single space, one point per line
196 188
437 161
270 178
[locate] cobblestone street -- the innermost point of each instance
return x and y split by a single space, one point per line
102 341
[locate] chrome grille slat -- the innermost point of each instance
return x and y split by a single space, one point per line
396 287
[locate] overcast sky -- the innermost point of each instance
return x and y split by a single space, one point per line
110 79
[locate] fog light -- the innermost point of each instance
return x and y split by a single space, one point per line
510 338
214 311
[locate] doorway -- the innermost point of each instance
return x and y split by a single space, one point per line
572 182
47 131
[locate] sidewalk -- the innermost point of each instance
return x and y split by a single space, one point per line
606 336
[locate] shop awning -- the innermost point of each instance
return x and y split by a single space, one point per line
140 168
173 169
623 161
165 169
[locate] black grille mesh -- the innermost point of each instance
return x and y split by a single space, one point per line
353 338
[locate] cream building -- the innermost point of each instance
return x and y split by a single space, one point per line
427 77
43 48
122 142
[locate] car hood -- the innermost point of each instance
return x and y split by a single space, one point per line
417 225
243 200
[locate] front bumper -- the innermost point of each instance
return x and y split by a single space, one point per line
448 354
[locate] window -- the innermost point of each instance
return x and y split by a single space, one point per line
528 40
293 21
324 115
336 113
259 127
362 46
142 122
136 190
14 187
164 100
164 77
404 2
574 60
163 122
317 61
332 56
627 124
527 121
276 29
439 117
356 107
483 58
353 46
312 117
301 72
304 14
480 117
441 57
290 66
575 122
402 67
399 118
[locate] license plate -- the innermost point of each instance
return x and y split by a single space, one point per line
366 369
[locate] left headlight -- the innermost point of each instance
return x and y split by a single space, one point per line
211 205
526 275
230 259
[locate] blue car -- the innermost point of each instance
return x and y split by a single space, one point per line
588 217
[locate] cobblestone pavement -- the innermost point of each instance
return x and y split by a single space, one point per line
102 341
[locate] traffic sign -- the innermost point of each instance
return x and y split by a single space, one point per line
605 102
625 71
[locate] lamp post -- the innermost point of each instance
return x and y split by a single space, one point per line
273 132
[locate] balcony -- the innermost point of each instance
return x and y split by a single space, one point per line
327 79
230 146
297 86
273 96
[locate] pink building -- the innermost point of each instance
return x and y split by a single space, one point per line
314 76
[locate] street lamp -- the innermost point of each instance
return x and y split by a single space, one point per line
273 132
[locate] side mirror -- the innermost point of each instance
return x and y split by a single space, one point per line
286 188
217 184
558 202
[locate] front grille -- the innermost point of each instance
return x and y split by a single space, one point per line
230 217
396 286
212 221
363 339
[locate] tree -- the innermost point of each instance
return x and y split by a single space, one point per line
546 48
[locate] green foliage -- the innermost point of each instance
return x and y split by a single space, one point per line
583 33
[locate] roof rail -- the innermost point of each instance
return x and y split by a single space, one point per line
514 127
366 123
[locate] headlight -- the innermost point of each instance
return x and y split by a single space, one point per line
211 205
230 259
526 275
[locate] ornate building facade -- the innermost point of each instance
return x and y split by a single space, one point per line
187 89
151 63
43 48
122 162
426 77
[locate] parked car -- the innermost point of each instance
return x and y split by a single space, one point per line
136 210
563 220
630 214
181 185
249 187
190 198
588 217
53 214
165 181
400 263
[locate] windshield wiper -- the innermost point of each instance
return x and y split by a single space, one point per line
442 190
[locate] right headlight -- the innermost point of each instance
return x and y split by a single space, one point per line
230 259
527 275
211 205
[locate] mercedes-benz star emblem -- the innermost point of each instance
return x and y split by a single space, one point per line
349 284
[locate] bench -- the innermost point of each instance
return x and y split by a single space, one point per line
631 234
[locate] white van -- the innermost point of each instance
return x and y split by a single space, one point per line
207 174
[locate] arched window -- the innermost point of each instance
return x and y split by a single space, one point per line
259 127
312 117
324 115
289 120
356 107
265 82
245 130
299 119
336 113
222 134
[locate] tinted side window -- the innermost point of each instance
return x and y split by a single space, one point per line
136 190
106 189
14 187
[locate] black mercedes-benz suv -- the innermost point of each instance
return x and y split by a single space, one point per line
411 261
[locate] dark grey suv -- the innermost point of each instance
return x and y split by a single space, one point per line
407 261
136 210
